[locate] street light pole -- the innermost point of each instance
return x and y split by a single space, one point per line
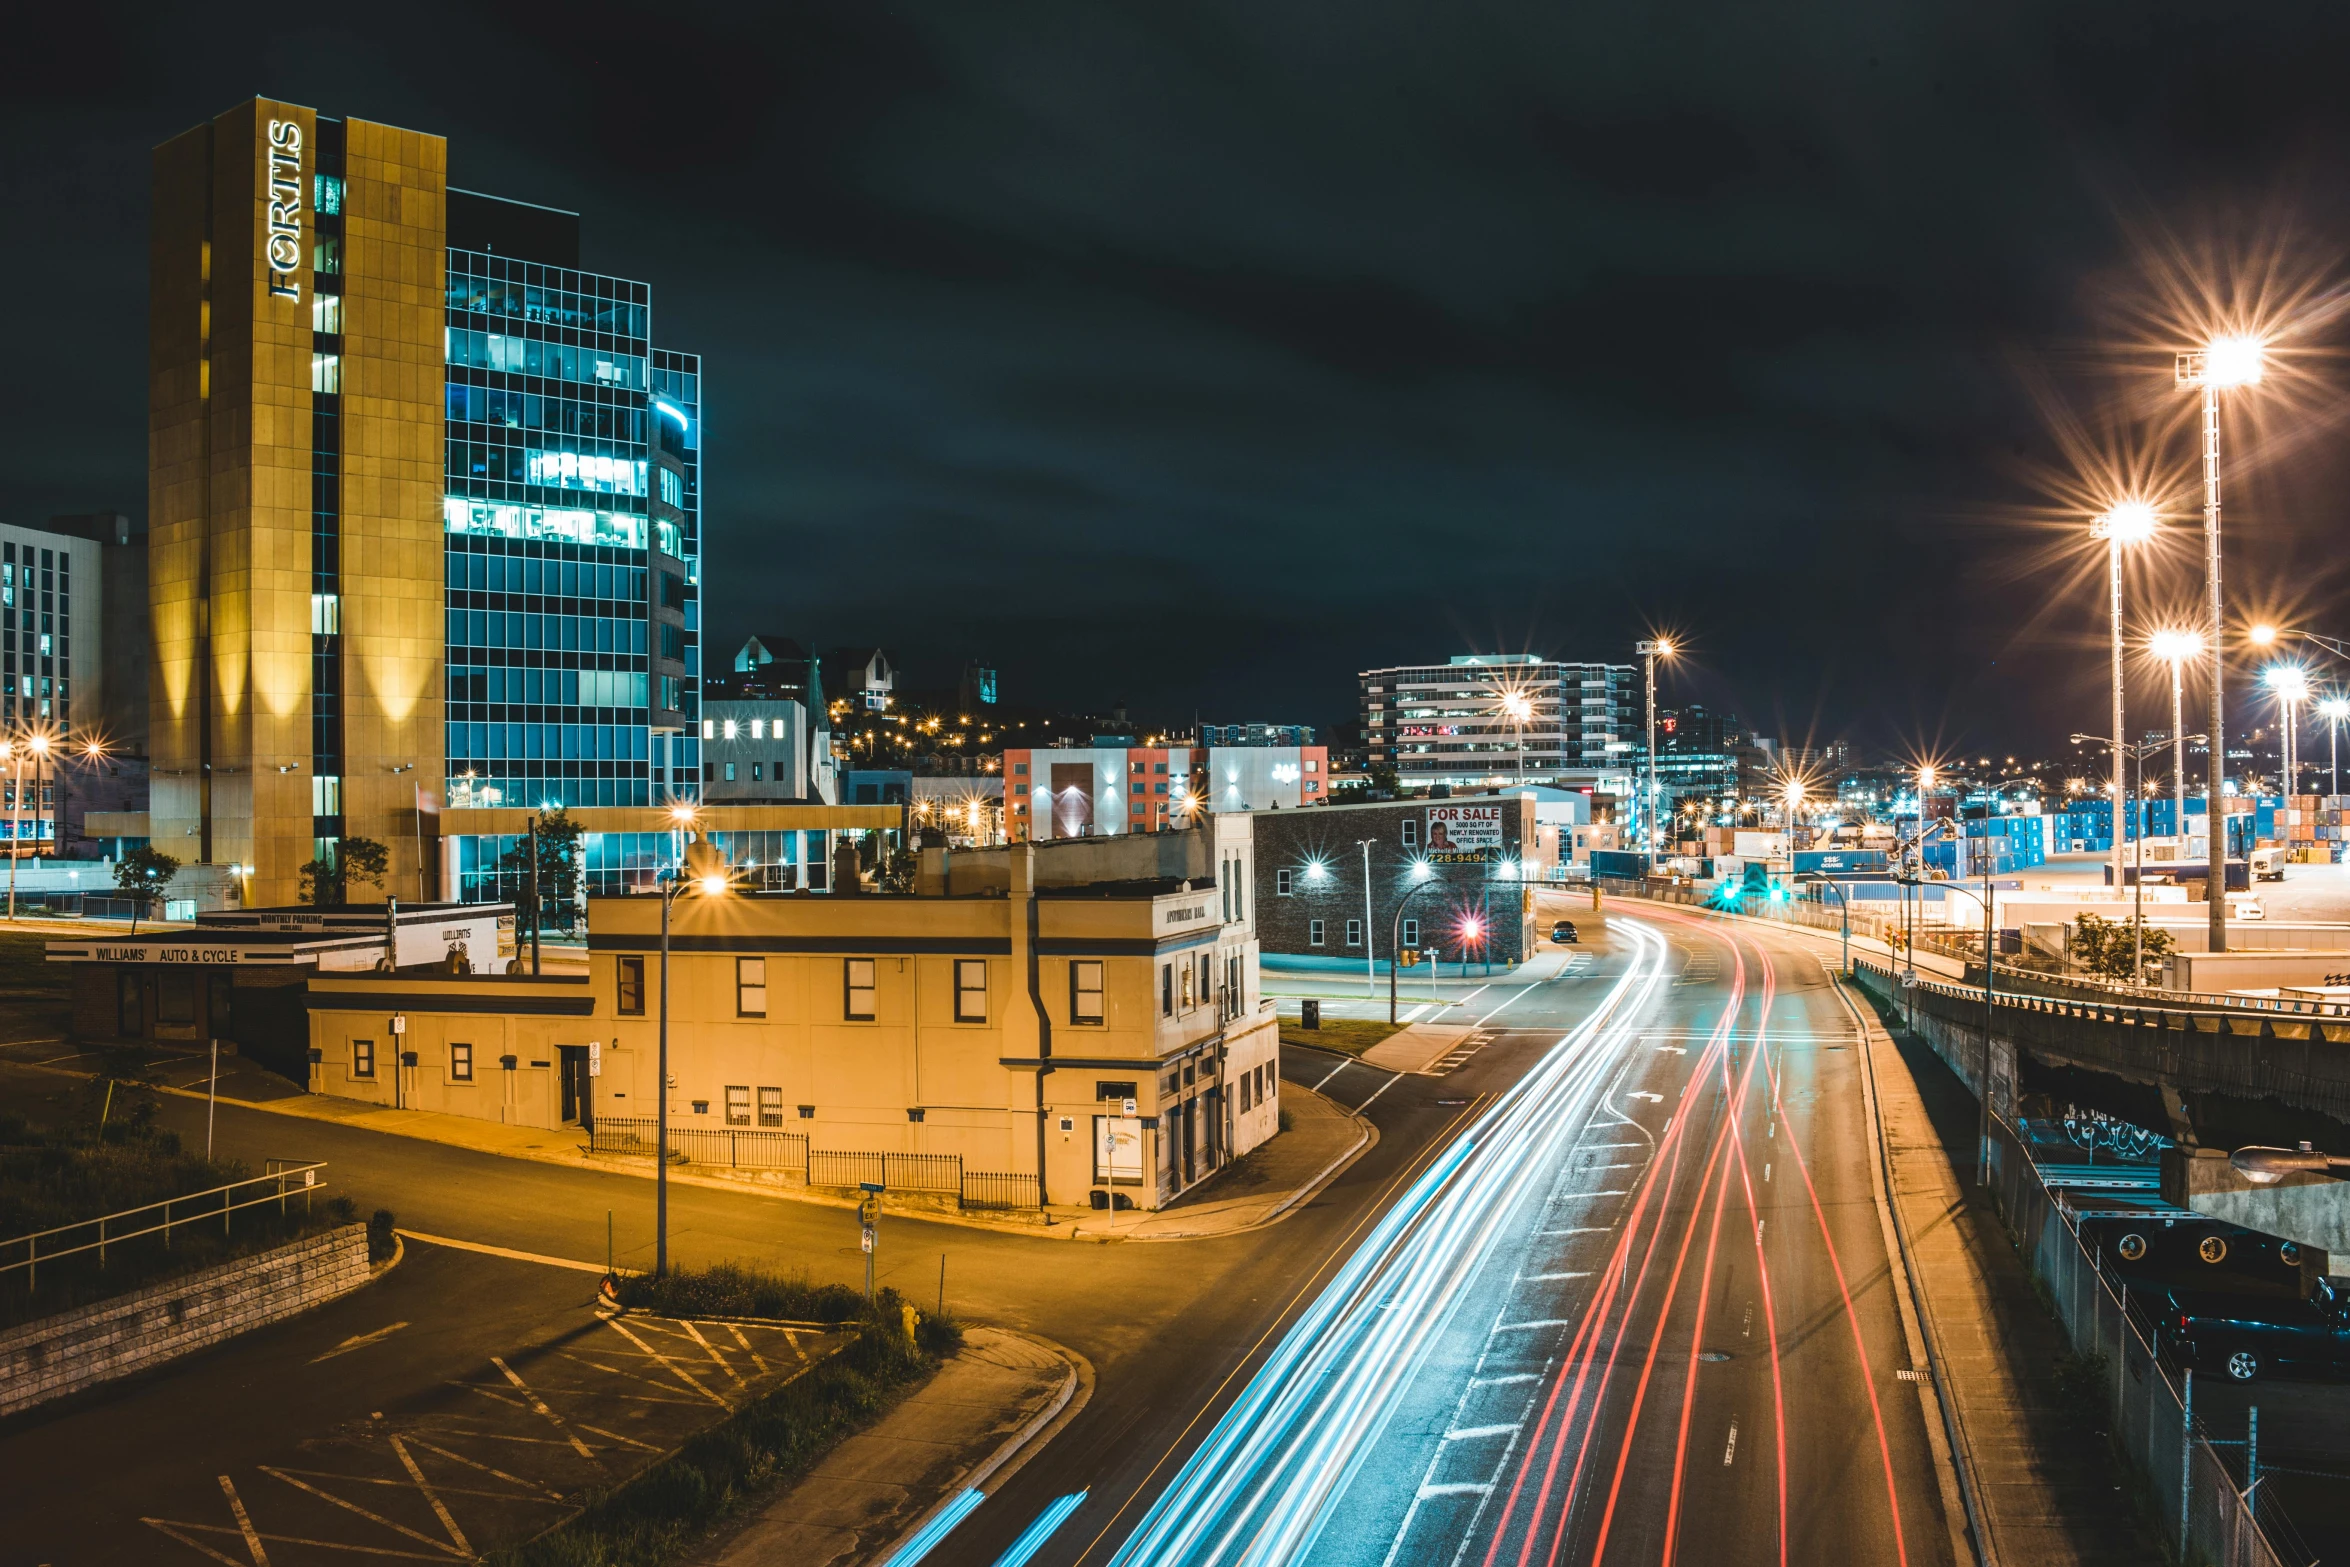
1370 954
1650 649
1395 942
2335 710
669 889
2223 362
2131 522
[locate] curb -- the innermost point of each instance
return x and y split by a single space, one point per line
1366 1138
1007 1460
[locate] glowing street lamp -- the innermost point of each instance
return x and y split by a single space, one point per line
2129 522
2335 709
2290 683
1650 650
2178 649
2225 363
1517 707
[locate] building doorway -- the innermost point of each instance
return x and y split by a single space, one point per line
579 1091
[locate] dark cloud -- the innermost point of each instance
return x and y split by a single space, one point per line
1200 356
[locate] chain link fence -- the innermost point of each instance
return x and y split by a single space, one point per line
2204 1508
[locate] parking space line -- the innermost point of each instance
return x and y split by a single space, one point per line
614 1436
456 1535
354 1507
236 1506
549 1415
683 1375
508 1254
713 1349
174 1531
490 1469
757 1359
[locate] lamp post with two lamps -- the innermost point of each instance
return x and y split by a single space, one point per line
2290 685
2223 364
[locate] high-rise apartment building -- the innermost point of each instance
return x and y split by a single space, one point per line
424 504
1482 719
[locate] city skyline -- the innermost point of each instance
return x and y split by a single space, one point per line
1056 402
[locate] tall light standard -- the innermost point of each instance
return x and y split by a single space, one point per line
2220 365
1517 707
704 871
2130 522
2178 649
1794 794
37 745
2290 684
1370 957
2335 709
1650 650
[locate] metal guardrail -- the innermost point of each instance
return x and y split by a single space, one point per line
2009 980
112 1229
750 1148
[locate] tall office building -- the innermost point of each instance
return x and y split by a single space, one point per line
1448 723
424 506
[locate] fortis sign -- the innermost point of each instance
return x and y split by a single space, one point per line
284 246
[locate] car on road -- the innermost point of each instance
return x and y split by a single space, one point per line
2248 1336
1564 933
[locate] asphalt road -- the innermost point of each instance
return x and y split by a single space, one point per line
1641 1312
1552 1382
1164 1324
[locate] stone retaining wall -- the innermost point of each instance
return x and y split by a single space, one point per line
114 1338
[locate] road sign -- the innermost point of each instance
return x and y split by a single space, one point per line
595 1058
868 1240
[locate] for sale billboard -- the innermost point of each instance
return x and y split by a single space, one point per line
1463 833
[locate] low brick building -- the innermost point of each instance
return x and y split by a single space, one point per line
1446 878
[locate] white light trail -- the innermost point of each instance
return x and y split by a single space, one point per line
1262 1486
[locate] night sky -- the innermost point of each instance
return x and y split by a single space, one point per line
1197 356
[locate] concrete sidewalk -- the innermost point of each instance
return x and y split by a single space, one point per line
987 1411
1268 1183
1271 1182
2044 1487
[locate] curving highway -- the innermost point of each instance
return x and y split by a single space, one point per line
1638 1311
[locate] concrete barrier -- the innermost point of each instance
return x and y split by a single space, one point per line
114 1338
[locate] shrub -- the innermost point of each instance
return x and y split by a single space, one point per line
732 1289
381 1242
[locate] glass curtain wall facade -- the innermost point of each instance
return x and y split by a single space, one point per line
572 512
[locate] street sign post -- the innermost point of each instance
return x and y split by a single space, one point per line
869 1230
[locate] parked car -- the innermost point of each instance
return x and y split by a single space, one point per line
1564 933
2193 1252
2248 1336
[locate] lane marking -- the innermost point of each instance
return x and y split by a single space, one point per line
174 1531
236 1505
491 1470
1730 1448
675 1370
1456 1488
359 1341
1376 1092
1480 1433
713 1349
354 1507
1582 1229
1334 1071
1549 1278
456 1535
1505 1381
509 1255
549 1415
757 1359
1538 1322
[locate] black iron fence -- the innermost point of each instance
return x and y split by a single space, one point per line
750 1148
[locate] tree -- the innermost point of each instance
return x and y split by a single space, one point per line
143 873
327 881
2108 949
559 863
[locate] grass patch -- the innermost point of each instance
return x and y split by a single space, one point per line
1347 1035
661 1515
70 1172
732 1290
